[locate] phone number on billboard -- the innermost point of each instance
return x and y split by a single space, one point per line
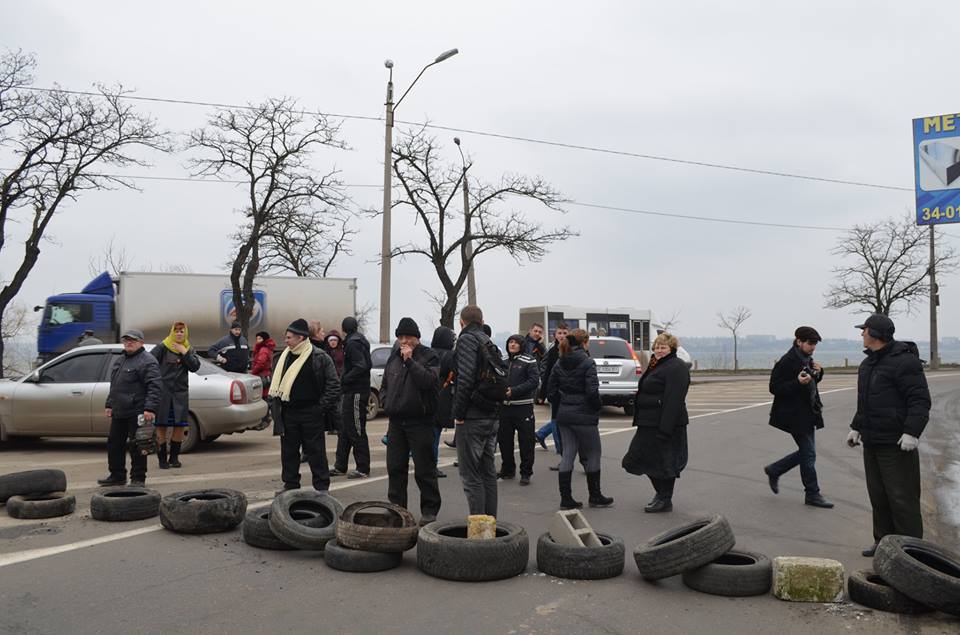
936 213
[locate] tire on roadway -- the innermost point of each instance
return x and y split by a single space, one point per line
683 548
869 589
32 482
49 505
296 534
734 574
203 511
443 551
581 563
393 532
338 557
257 533
121 504
921 570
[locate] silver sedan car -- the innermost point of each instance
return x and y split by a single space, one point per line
65 397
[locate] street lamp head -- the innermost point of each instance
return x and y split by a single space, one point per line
445 55
388 63
456 140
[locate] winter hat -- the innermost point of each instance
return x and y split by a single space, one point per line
299 327
264 335
515 338
881 324
487 330
235 325
349 325
807 334
407 327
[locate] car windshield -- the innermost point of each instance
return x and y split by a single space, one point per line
610 349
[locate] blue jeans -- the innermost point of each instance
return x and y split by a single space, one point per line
551 429
806 458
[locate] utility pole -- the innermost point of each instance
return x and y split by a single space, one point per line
471 281
934 303
385 244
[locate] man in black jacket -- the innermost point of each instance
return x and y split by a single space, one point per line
442 344
409 394
798 411
304 388
516 415
135 388
474 417
355 385
231 351
533 343
893 407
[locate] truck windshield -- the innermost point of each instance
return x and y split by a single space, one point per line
67 312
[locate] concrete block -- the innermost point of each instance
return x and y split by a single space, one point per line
569 527
799 579
481 527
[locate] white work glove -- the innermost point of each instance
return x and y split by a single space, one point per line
853 439
908 443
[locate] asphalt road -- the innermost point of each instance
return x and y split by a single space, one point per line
77 575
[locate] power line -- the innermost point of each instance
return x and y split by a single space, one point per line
495 135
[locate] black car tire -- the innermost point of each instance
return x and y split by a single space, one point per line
257 533
581 563
32 482
443 551
869 589
297 535
734 574
192 438
121 504
683 548
373 406
49 505
396 535
203 511
357 561
921 570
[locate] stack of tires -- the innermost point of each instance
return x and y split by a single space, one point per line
909 576
444 551
203 511
703 553
302 519
369 541
36 494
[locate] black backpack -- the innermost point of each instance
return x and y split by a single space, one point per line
492 378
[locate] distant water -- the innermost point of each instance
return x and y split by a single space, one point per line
766 359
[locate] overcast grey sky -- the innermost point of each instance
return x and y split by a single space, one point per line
816 88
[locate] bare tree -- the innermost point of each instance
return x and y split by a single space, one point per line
17 320
431 190
732 321
55 142
364 316
888 264
672 322
113 259
268 146
306 242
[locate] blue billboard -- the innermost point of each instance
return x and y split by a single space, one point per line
228 311
936 165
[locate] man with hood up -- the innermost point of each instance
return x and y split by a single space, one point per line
355 387
516 415
442 344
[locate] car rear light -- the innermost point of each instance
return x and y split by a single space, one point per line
636 359
238 392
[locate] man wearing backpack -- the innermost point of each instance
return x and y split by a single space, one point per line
481 386
893 406
304 388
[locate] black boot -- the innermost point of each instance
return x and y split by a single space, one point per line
663 501
175 454
162 457
597 499
566 495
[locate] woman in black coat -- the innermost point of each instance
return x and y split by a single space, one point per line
659 446
574 386
797 410
177 360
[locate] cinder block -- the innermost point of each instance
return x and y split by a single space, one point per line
799 579
481 527
570 527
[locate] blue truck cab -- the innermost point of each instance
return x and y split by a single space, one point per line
67 315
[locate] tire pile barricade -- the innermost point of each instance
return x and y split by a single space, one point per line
36 494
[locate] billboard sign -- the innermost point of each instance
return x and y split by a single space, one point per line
228 311
936 159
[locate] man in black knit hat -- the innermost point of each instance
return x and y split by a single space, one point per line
304 388
355 385
798 411
409 394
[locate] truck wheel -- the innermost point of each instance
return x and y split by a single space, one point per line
203 511
125 503
31 482
192 439
48 505
373 405
683 548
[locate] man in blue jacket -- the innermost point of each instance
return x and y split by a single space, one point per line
516 415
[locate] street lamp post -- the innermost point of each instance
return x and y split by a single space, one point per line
468 228
385 245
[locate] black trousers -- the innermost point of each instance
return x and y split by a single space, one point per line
517 422
353 432
403 439
122 430
303 427
893 483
